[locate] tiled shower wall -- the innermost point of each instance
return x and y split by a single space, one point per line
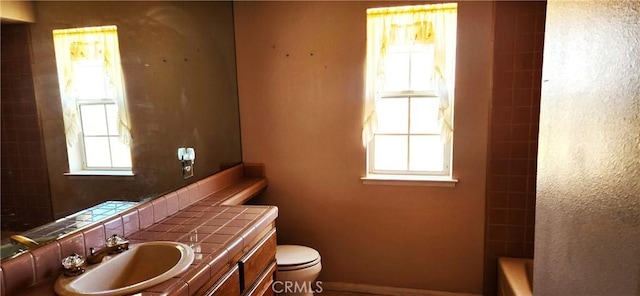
515 113
25 192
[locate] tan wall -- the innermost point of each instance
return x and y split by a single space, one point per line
17 11
300 77
588 199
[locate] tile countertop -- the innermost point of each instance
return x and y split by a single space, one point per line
218 233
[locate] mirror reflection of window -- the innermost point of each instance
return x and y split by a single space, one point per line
93 99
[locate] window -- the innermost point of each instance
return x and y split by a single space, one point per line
408 120
93 100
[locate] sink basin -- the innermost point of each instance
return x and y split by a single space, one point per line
144 265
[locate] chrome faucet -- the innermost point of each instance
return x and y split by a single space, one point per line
23 240
115 244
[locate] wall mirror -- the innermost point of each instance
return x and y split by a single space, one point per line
178 63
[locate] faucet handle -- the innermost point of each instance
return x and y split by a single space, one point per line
73 264
115 240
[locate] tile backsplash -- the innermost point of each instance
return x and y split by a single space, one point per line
76 221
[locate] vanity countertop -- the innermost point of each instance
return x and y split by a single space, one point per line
216 227
217 234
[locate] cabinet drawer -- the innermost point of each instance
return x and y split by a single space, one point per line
263 286
256 261
228 285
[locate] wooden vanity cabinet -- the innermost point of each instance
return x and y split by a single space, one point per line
255 262
227 285
262 286
257 266
252 275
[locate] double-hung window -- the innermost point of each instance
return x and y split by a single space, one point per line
408 119
93 100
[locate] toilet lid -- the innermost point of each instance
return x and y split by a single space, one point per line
288 255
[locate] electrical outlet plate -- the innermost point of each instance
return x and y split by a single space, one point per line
187 168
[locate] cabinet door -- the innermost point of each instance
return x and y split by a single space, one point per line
262 287
228 285
256 261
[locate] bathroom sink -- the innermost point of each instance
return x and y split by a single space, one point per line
142 266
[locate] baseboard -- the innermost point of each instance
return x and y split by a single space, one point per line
382 290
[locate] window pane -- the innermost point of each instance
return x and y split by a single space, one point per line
97 152
94 86
426 153
393 115
112 119
89 80
390 153
424 115
94 121
396 71
121 154
422 67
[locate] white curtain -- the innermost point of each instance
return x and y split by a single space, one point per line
430 24
94 43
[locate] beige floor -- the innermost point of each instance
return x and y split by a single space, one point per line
336 293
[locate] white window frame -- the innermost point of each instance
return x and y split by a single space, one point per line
411 178
409 95
77 153
443 178
81 139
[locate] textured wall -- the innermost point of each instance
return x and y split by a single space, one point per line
300 79
513 140
588 200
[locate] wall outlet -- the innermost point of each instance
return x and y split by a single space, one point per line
187 168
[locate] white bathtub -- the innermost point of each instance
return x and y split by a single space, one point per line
515 276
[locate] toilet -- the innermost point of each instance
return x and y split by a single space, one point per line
298 268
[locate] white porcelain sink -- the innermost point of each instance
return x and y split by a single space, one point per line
142 266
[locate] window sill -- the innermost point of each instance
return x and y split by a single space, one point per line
409 180
101 173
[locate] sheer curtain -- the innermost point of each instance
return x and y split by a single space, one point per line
84 44
430 24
